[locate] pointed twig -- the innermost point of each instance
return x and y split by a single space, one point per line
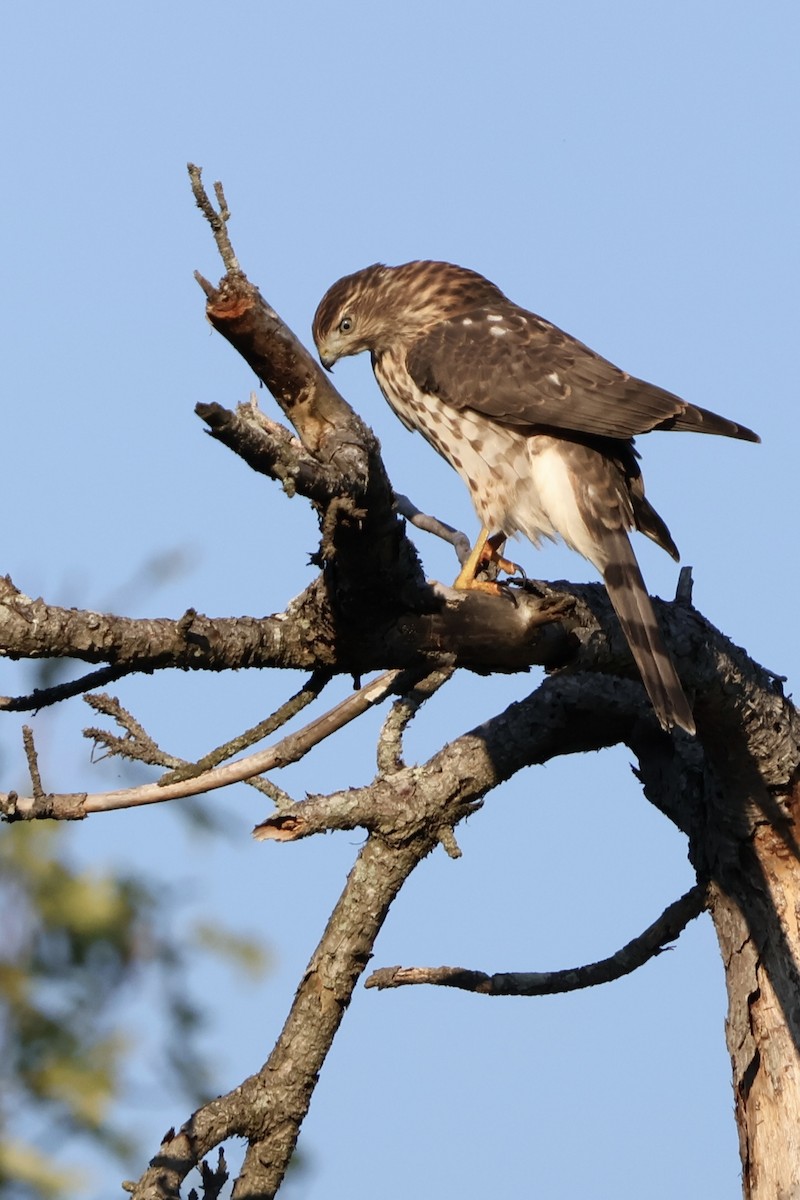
217 220
290 749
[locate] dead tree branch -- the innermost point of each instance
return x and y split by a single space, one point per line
420 520
290 708
267 1108
553 720
652 942
405 813
217 218
43 697
290 749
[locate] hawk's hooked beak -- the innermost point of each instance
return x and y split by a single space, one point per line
327 362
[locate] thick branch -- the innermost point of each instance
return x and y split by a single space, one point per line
32 629
268 1108
470 629
406 812
563 716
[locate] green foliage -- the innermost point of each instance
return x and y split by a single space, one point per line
72 943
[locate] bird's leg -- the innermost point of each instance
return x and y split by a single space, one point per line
485 551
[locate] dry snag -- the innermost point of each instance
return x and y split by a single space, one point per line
732 790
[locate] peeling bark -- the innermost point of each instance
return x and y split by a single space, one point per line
758 927
739 803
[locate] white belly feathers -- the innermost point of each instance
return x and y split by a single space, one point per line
518 483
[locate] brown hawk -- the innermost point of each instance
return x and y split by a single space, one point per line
538 426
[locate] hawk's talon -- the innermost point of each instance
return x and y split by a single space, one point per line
486 554
507 566
518 570
504 588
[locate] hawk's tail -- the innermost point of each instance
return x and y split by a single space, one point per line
628 594
694 419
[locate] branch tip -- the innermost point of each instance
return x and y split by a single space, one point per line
33 763
217 219
447 839
683 592
207 287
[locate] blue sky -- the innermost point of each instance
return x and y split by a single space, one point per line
630 172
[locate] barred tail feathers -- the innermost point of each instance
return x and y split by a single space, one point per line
632 604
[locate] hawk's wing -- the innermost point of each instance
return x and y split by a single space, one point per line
513 366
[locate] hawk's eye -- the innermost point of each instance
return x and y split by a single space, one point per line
345 325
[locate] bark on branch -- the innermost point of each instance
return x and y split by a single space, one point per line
652 942
406 813
268 1108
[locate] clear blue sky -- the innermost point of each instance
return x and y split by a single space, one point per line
628 170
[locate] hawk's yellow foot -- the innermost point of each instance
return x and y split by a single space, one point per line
485 551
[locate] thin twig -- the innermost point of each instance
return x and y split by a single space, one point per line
295 704
402 712
33 762
652 942
42 697
407 509
137 744
282 800
290 749
217 220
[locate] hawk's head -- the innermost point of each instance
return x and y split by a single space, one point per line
378 307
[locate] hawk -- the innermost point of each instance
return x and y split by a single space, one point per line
538 426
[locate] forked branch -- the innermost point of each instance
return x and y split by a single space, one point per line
290 749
